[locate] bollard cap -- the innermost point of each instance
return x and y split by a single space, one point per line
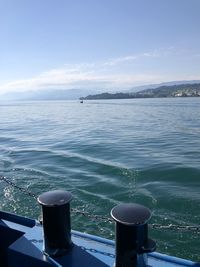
54 198
131 214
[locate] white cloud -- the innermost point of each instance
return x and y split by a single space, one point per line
119 60
67 79
121 72
132 58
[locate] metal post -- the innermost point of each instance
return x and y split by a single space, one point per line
132 235
56 221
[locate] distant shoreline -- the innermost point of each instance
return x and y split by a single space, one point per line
182 90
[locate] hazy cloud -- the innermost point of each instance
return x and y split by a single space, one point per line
121 72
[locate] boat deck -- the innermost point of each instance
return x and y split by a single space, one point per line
22 245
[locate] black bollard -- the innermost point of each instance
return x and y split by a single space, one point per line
56 221
132 241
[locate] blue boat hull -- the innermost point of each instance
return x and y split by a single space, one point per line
22 245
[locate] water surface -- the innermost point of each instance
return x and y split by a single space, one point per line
107 152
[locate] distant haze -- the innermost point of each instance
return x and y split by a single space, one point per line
74 94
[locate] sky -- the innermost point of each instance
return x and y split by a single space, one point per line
97 44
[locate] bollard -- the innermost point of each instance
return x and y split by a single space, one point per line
131 241
56 221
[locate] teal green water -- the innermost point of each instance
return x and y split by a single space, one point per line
107 152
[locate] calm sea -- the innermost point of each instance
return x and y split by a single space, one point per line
107 152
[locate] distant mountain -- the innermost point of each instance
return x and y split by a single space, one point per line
75 94
181 90
71 94
157 85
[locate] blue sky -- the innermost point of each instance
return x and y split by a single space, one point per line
100 44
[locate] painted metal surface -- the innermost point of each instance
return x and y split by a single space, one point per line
21 244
